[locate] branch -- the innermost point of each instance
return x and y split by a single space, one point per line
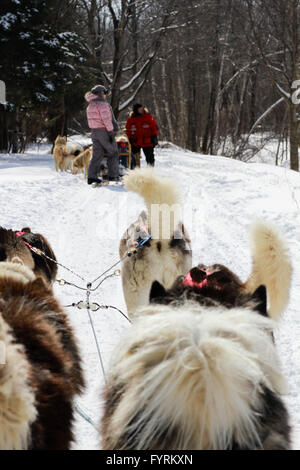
132 97
265 114
136 76
263 55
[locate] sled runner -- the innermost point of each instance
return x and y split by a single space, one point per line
107 183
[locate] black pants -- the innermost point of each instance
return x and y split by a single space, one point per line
148 152
101 145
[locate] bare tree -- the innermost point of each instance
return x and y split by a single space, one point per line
281 34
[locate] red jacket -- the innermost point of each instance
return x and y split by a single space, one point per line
139 129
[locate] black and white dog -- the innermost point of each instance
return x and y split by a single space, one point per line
199 368
168 253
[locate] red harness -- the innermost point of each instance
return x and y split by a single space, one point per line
191 283
198 285
20 234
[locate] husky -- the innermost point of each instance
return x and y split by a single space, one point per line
44 265
81 162
164 257
63 154
199 370
42 370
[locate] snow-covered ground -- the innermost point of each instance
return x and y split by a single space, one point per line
221 198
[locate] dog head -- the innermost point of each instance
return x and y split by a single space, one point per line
60 140
14 250
43 267
210 286
271 273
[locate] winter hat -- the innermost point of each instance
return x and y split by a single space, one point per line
136 107
99 90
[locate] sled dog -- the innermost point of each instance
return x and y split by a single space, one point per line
199 369
74 149
43 266
62 158
81 163
42 371
168 253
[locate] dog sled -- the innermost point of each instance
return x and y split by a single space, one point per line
125 157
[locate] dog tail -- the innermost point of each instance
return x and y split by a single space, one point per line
162 198
271 266
17 408
189 380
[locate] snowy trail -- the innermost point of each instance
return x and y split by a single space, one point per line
221 198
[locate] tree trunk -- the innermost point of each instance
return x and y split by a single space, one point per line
157 108
3 130
238 128
208 139
295 58
166 102
182 108
294 153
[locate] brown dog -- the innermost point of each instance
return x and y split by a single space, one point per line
62 158
81 163
43 266
42 370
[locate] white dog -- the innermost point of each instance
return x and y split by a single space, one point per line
199 368
168 253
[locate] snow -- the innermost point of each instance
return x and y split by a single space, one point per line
7 20
135 77
221 198
41 97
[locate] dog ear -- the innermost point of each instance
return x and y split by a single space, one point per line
157 291
260 299
17 260
26 230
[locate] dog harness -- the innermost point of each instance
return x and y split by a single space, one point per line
20 234
189 281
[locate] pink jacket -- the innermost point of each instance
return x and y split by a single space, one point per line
99 114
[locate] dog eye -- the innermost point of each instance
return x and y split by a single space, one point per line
2 254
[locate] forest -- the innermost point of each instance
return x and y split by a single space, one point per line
214 73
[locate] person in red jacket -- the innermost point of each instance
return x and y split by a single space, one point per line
142 132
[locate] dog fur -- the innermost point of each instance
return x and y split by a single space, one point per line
13 249
42 371
199 368
62 158
74 149
81 163
168 254
270 261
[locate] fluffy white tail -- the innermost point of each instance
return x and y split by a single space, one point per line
271 266
162 199
193 376
17 410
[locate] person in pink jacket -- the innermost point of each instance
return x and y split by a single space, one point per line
103 125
